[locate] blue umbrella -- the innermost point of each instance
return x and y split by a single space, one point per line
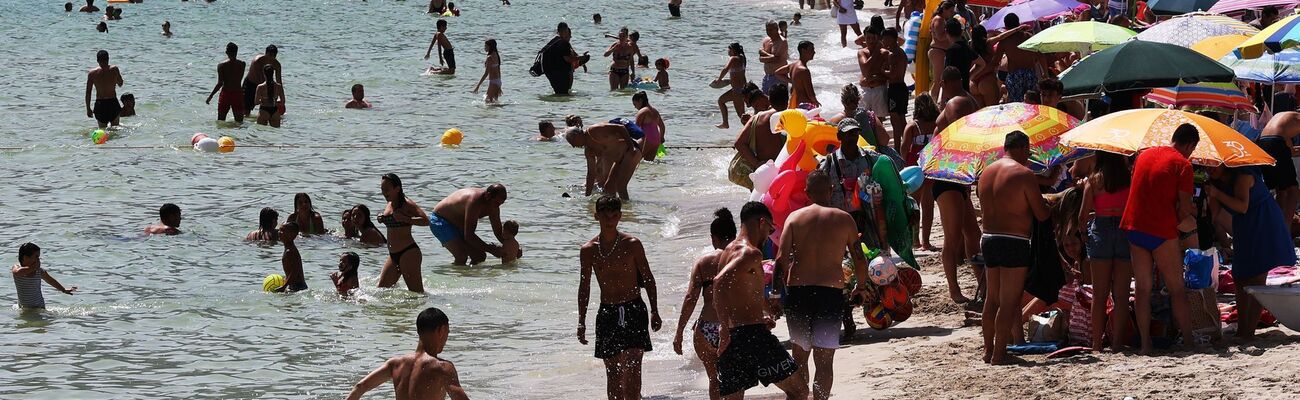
1177 7
1281 67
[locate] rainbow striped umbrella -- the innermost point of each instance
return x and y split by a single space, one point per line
1275 38
1218 97
960 153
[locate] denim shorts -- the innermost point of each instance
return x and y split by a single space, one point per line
1106 241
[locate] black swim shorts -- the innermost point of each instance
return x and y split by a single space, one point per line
620 327
1282 175
250 95
898 95
107 110
1005 251
753 356
814 315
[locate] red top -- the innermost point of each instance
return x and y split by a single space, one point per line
1160 175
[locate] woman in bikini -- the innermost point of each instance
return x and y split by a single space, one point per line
306 216
622 52
916 135
270 99
404 255
707 328
939 43
491 72
984 83
367 232
736 95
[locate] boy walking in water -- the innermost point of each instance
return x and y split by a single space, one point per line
291 261
446 56
421 374
28 275
232 95
621 269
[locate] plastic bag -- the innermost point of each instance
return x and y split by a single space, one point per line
1201 268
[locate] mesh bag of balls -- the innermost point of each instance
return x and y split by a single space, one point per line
892 286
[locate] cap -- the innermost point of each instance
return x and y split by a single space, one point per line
849 125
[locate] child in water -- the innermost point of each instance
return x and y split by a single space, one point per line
291 261
345 280
795 20
446 55
128 105
662 76
510 250
358 98
546 130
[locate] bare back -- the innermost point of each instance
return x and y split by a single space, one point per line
419 376
1285 124
1013 188
105 81
1018 58
229 72
813 245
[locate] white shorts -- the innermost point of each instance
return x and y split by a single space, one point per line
875 99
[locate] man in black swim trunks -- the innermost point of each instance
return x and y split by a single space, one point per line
1277 139
621 269
748 353
104 79
1011 185
557 60
256 76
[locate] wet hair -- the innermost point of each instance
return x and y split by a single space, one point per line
430 320
1011 20
511 227
850 95
1050 84
67 6
738 49
27 250
1016 140
290 226
272 50
779 94
889 32
231 49
1186 134
1033 97
102 27
596 17
572 120
268 72
951 74
804 44
562 27
491 45
357 86
924 108
128 98
168 209
754 210
102 55
267 219
608 203
543 124
302 196
952 26
354 262
497 190
441 24
1114 171
367 224
640 96
395 181
663 61
798 15
723 226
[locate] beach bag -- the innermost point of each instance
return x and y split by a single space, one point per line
1204 311
738 169
1202 266
912 35
1081 316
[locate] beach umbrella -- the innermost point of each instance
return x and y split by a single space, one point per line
1127 132
1184 30
964 148
1176 7
1217 97
1218 46
1282 67
1138 64
1226 6
1281 35
1031 10
1082 37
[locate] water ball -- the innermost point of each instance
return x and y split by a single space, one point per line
207 145
452 137
882 270
272 282
879 318
99 136
226 144
197 137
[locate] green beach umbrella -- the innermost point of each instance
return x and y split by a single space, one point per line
1138 64
1080 37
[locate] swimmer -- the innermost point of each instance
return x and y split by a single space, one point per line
650 121
399 215
256 75
595 19
102 27
784 27
28 275
455 218
510 250
89 7
358 98
269 99
446 55
505 2
572 125
437 7
675 8
795 21
169 221
621 67
228 74
306 216
291 260
349 229
735 68
546 131
662 76
117 13
451 6
128 105
267 219
67 7
367 232
421 374
108 13
491 72
345 279
167 28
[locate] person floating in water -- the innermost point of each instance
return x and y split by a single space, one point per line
367 232
232 94
104 80
167 28
345 280
421 374
309 221
89 7
291 260
358 98
169 221
28 275
128 105
446 54
545 131
455 218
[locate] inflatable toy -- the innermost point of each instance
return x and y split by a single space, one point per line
762 178
893 295
452 137
912 177
882 270
272 282
903 311
207 145
878 317
911 279
645 83
226 144
99 136
898 228
819 137
911 35
197 137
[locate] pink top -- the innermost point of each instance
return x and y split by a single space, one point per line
1110 204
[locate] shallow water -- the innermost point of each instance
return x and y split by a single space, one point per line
184 316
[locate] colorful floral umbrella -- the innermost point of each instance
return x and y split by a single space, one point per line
1217 97
1282 67
1186 29
1127 132
1281 35
1082 37
1216 47
961 151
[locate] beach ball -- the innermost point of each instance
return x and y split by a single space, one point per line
882 270
879 318
902 312
452 137
912 177
272 282
911 279
207 145
99 136
226 144
893 295
197 137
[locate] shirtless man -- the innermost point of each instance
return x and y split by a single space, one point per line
621 335
446 54
104 79
256 76
232 95
897 93
961 232
872 61
455 218
1050 90
748 353
169 221
1010 184
420 375
612 156
89 7
1022 65
756 144
905 9
796 74
774 53
1276 140
812 247
648 118
167 28
358 100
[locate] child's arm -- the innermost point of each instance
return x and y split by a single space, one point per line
377 377
431 44
480 81
440 47
55 283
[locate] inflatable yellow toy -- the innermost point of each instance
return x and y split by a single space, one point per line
819 136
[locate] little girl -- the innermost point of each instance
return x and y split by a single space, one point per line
662 77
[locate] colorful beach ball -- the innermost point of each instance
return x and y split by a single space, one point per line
272 282
902 312
911 279
882 270
879 318
99 136
893 295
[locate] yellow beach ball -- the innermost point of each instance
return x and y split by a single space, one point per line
452 137
272 282
226 144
